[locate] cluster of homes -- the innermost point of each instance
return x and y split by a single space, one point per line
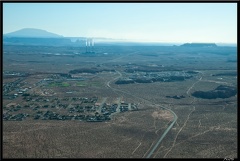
14 73
11 86
16 117
84 109
53 108
50 115
150 77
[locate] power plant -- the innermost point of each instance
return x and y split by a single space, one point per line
89 45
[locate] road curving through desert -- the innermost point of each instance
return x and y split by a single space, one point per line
168 128
165 132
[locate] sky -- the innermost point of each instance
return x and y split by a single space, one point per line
147 22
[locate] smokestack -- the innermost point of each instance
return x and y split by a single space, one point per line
92 45
86 46
89 43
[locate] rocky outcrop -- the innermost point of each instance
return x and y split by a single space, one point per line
221 91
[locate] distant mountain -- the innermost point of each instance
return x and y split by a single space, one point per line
32 33
199 45
227 44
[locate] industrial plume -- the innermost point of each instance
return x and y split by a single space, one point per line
89 45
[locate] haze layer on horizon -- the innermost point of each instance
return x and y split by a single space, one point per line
147 22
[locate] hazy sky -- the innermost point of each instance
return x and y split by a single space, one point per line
164 22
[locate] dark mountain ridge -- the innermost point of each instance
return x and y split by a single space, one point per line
32 33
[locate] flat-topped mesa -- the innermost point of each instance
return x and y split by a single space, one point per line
199 45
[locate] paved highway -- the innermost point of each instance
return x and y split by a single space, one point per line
165 132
